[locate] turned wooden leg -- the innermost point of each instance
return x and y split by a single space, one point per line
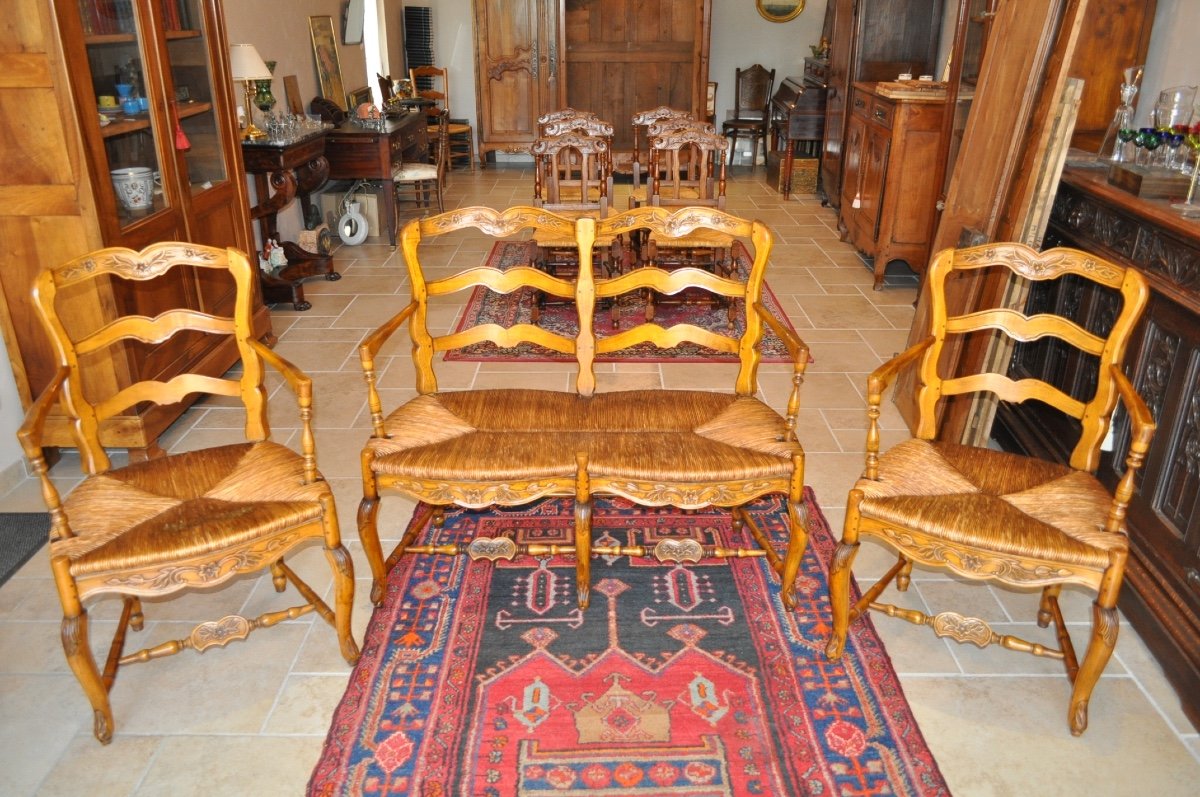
839 578
1046 607
797 542
343 599
278 577
1099 650
74 633
583 532
343 580
368 534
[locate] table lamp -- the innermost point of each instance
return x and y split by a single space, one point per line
248 66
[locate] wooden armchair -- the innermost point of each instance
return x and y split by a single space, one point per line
679 448
184 522
996 517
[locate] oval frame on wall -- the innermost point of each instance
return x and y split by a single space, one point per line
779 10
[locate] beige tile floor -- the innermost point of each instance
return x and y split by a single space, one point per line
251 719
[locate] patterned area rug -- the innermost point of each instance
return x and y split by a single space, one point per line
487 680
486 307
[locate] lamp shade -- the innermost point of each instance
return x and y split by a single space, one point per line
246 63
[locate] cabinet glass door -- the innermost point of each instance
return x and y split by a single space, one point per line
187 33
118 53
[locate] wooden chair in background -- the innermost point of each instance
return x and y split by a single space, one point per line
995 517
642 121
462 139
687 169
187 522
423 182
573 178
751 108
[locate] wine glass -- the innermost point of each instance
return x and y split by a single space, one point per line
1147 140
1190 208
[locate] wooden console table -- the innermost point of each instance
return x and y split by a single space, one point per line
282 172
1161 596
365 153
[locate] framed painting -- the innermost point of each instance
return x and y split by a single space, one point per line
329 68
358 97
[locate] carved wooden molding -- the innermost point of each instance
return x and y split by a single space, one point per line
477 496
521 60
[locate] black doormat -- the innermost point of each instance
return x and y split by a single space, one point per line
22 534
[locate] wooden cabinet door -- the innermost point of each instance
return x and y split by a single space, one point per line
518 69
625 56
837 93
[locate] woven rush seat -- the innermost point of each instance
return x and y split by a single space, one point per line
512 434
186 505
993 501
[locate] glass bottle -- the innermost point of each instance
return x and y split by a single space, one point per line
1121 131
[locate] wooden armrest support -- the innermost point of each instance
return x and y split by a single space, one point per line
30 435
1141 431
300 383
877 383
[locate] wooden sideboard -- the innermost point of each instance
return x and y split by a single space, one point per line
888 196
1161 597
370 153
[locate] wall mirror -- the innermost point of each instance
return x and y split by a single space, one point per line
353 17
780 10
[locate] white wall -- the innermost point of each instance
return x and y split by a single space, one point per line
1174 58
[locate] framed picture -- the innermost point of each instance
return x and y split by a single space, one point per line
329 68
357 98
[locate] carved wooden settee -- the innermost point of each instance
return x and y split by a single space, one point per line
655 447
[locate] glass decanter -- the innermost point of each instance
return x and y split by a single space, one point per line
1117 145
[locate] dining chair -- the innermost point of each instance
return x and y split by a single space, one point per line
995 518
642 120
751 108
189 522
462 139
423 182
573 178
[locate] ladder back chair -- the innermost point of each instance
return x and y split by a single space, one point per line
994 517
184 522
462 139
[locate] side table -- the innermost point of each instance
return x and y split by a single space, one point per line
283 171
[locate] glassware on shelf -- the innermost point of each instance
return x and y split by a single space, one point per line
1173 109
1117 143
1147 142
1190 207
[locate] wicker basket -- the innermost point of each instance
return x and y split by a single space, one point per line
804 173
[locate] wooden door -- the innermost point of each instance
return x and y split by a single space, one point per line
518 70
625 56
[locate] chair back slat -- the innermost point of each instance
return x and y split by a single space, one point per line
89 396
1018 320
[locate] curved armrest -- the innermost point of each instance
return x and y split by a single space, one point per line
878 382
1141 431
300 383
30 435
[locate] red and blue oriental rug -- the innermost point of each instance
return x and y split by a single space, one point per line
487 680
487 307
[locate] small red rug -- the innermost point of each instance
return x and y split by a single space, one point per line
487 307
488 681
